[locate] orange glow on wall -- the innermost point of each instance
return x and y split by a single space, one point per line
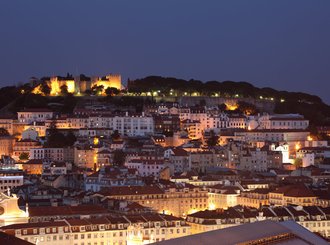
71 86
37 90
231 105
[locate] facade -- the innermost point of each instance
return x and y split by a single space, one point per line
6 145
48 154
174 201
33 166
10 178
80 84
29 116
292 194
222 197
263 232
314 219
135 230
10 212
24 147
111 176
285 121
254 199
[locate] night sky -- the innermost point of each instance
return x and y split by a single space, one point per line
281 44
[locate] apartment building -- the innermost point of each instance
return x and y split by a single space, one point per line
31 115
107 230
297 194
313 218
178 200
10 178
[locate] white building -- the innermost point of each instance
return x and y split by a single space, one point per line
283 121
135 230
10 178
34 115
146 167
51 154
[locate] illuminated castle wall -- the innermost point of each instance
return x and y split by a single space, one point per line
111 80
80 84
56 83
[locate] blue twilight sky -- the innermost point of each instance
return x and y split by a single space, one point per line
284 44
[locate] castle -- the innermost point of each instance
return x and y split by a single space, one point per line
80 84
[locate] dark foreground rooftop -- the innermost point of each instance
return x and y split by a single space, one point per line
263 232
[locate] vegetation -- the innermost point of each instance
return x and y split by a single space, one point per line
45 89
97 90
119 157
115 135
24 156
213 140
298 162
311 106
57 139
110 91
64 90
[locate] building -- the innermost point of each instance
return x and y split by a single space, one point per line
178 200
48 213
31 115
222 197
255 198
10 212
33 166
264 232
10 178
49 154
107 230
6 145
80 84
23 147
179 159
283 121
292 194
112 176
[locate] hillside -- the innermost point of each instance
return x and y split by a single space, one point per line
311 106
13 98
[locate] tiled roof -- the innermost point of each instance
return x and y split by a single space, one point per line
299 190
131 190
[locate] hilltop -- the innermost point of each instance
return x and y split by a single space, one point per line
14 98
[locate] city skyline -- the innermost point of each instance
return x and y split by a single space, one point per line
273 44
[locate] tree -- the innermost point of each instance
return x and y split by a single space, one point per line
55 138
247 108
111 91
119 157
88 92
97 90
64 90
222 107
45 89
213 140
298 163
70 139
115 135
24 156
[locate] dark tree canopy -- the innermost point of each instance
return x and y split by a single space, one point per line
45 88
119 157
110 91
24 156
64 90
